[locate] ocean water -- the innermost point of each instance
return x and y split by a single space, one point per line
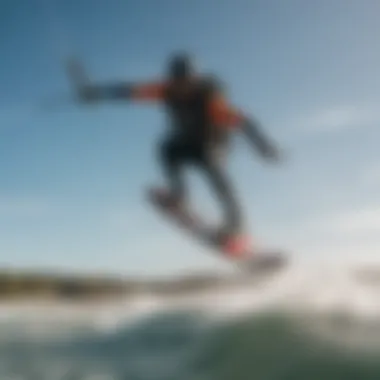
308 324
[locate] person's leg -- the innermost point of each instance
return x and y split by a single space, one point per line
212 162
171 157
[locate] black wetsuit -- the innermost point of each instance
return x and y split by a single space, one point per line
197 136
193 139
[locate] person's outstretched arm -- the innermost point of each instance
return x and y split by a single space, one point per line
226 116
253 131
88 92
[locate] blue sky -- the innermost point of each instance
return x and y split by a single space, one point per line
73 179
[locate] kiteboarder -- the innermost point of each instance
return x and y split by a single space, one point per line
201 121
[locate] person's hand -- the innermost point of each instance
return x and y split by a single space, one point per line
87 94
272 154
80 82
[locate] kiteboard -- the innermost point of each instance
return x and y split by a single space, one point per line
241 252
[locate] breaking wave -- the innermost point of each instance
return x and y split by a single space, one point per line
306 323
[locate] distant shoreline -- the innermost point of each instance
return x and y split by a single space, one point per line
24 285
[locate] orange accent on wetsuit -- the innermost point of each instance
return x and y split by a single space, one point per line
220 113
149 92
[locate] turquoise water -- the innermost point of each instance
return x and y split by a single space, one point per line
248 343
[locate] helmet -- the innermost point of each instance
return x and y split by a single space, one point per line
180 66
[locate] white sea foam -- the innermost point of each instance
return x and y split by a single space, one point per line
300 288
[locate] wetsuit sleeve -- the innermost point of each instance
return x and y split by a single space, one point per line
124 91
87 91
221 113
148 92
224 115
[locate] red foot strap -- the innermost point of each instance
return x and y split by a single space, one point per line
237 246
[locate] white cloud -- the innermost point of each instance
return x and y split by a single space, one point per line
356 223
338 118
340 235
350 225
